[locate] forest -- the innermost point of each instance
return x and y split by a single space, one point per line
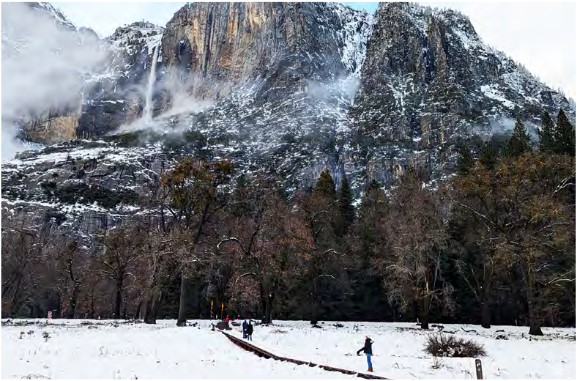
492 244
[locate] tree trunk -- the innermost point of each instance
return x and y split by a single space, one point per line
485 315
262 302
425 312
534 324
314 314
267 313
59 308
73 301
155 307
485 308
151 309
149 317
268 309
181 322
425 320
92 304
118 301
138 308
314 304
15 305
534 327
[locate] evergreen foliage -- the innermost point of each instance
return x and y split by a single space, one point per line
489 155
519 143
465 160
546 134
494 245
326 185
564 136
346 207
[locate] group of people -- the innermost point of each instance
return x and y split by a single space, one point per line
247 329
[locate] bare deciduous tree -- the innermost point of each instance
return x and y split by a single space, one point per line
416 231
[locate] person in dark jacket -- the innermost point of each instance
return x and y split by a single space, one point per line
249 330
244 329
368 350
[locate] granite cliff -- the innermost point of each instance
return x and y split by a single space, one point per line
284 88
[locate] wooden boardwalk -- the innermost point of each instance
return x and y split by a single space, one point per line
267 355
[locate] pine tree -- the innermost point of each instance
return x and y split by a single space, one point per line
519 143
466 161
346 208
564 135
488 156
374 186
326 185
368 244
374 204
370 223
546 135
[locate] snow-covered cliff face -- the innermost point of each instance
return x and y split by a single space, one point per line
283 112
425 65
288 88
428 80
117 94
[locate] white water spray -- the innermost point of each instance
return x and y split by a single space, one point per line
147 115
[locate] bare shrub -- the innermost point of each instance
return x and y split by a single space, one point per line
451 346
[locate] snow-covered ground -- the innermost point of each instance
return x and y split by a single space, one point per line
398 349
104 349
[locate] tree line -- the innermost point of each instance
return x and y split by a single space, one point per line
493 244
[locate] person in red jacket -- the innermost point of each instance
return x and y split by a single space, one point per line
227 319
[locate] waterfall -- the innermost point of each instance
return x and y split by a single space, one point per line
147 115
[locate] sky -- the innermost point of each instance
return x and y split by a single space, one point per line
540 35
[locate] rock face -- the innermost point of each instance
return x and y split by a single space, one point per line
82 185
115 95
284 88
426 65
53 128
428 80
286 43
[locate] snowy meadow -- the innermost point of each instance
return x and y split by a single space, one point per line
125 350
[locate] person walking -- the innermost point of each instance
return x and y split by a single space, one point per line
244 329
249 330
368 350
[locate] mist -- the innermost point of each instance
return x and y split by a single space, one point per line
505 126
185 91
44 67
187 94
342 87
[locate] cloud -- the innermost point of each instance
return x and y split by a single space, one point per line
44 66
104 18
539 35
